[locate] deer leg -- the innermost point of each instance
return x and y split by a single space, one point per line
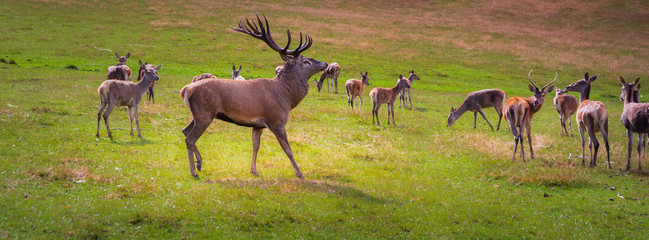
583 144
189 127
604 130
327 84
475 119
512 128
196 131
594 145
359 107
485 118
336 83
101 109
137 120
409 100
641 142
520 138
528 127
376 112
256 136
629 134
280 134
109 109
130 117
500 117
570 123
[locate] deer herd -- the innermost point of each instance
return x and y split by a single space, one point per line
266 102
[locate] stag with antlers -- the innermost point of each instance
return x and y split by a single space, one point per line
257 103
592 117
519 111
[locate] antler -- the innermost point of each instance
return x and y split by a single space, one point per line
530 78
262 32
555 78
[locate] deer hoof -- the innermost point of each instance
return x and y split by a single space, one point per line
255 173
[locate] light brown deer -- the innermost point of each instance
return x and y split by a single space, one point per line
566 105
236 74
120 71
332 72
405 93
519 111
257 103
149 92
635 118
203 76
475 102
386 96
354 88
592 117
124 93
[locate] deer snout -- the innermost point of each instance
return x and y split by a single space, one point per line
325 66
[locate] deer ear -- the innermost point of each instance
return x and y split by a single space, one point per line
140 62
550 89
233 68
286 58
116 54
158 67
366 73
593 78
622 80
239 67
636 81
637 86
586 76
531 88
128 55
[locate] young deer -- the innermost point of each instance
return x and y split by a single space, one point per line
519 112
332 72
635 118
120 71
149 92
124 93
405 93
386 96
566 105
236 74
478 100
354 88
257 103
592 117
203 76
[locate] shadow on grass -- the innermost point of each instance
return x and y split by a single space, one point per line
295 185
136 141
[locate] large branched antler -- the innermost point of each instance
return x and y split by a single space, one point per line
261 32
546 85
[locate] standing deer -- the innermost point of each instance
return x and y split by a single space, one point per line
124 93
120 71
332 72
354 88
203 76
592 117
405 93
478 100
635 118
386 96
519 111
149 92
236 74
566 105
258 103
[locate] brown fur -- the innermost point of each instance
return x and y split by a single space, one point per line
354 88
635 118
203 76
386 96
476 101
149 93
332 72
566 105
405 93
120 71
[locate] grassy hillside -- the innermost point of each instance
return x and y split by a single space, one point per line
419 179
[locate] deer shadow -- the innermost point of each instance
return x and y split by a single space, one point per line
134 141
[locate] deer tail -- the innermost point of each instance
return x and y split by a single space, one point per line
184 96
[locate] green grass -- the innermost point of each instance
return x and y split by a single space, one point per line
419 179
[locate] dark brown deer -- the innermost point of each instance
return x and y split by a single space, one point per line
141 71
236 74
203 76
120 71
405 93
257 103
478 100
592 117
354 88
386 96
124 93
566 105
635 118
519 111
332 72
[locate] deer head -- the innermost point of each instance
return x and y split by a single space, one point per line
539 94
628 90
413 76
122 60
148 73
559 91
365 79
235 72
292 58
451 119
582 86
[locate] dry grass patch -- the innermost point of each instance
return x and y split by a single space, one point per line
69 169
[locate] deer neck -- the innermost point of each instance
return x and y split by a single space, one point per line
460 110
584 94
293 85
530 101
143 85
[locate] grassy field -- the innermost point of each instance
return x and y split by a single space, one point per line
419 179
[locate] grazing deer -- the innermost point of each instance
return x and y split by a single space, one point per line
354 88
635 118
149 92
236 74
203 76
386 96
519 111
478 100
405 93
125 93
592 117
120 71
332 72
566 105
257 103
